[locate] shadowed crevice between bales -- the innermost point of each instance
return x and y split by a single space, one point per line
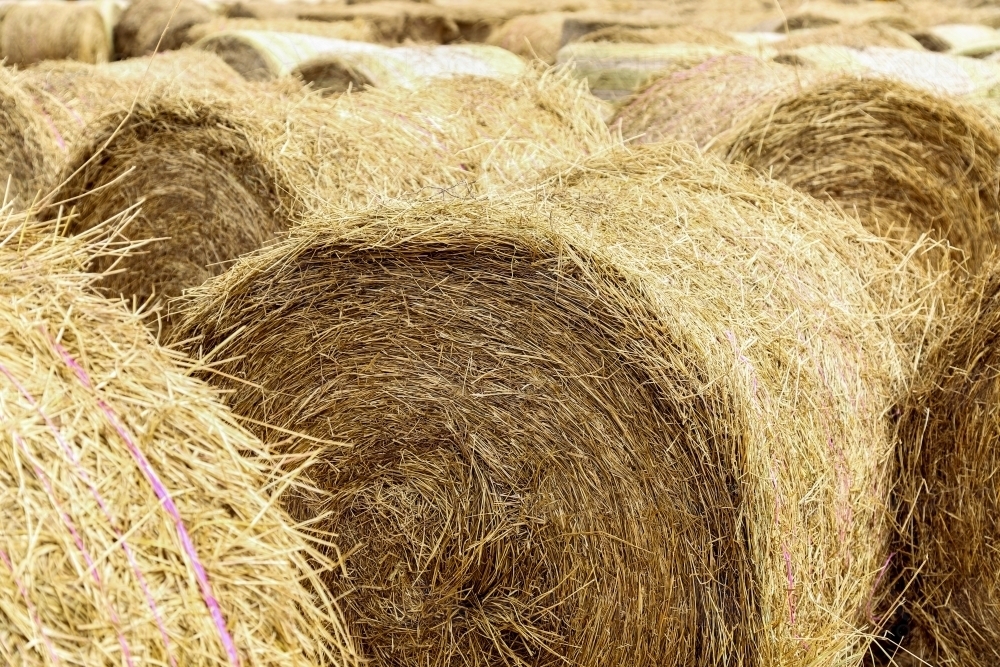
585 430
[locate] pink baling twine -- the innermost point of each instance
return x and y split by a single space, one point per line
168 504
68 522
82 472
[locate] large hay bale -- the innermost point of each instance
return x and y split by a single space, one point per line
261 56
145 22
854 36
220 176
139 524
30 33
357 30
697 103
636 416
905 161
531 36
948 566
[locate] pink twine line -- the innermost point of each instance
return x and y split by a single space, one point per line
31 607
168 503
82 472
68 522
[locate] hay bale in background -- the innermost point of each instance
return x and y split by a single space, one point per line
949 570
261 56
906 162
695 104
138 517
144 21
357 30
634 417
531 36
856 36
30 33
674 35
615 71
960 39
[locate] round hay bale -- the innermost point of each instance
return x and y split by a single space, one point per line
618 34
204 192
949 572
143 23
855 36
636 416
185 69
935 72
531 36
905 161
960 39
356 30
261 56
30 33
827 13
139 524
615 71
697 103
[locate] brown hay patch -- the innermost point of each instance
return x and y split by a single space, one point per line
697 103
82 382
144 21
30 33
906 162
634 416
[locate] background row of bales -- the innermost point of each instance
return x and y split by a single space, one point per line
444 333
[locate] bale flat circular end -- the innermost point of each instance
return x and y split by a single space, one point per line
332 75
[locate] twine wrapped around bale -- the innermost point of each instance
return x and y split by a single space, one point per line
905 161
218 177
144 22
531 36
697 103
949 570
30 33
261 56
636 416
139 524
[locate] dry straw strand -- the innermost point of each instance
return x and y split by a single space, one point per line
139 518
636 415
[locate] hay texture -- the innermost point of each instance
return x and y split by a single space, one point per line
531 36
906 162
697 103
357 30
674 35
143 23
856 36
261 56
139 524
634 417
30 33
950 575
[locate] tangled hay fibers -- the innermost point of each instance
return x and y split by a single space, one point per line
30 33
204 192
531 36
356 30
144 21
906 162
949 431
636 418
139 524
697 103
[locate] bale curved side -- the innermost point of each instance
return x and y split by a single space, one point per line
30 33
120 477
205 194
144 21
637 418
949 569
531 35
905 161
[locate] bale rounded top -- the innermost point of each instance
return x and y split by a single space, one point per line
143 22
636 414
139 524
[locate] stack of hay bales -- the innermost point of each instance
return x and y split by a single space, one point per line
948 567
906 162
221 177
166 24
30 33
698 103
333 63
637 416
139 524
